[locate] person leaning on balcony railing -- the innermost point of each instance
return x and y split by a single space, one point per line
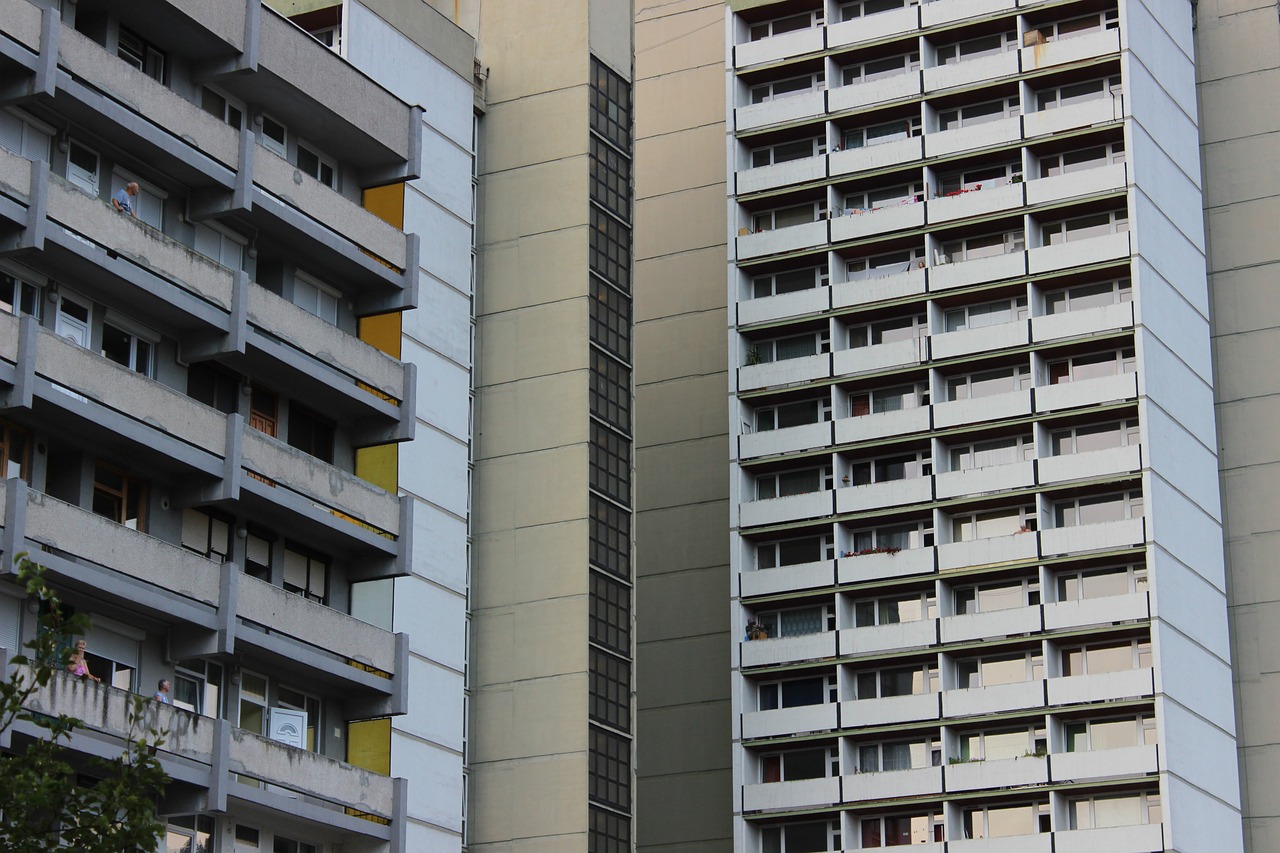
77 664
162 692
122 201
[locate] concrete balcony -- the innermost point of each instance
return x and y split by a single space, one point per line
978 701
1104 764
947 11
899 151
779 47
818 646
962 273
997 624
983 202
1079 324
892 709
1040 843
786 721
1087 392
883 638
797 304
1062 51
870 290
761 243
994 775
1011 404
1086 466
882 425
873 27
784 509
1081 253
888 493
1141 838
987 552
986 135
785 796
985 339
1112 609
872 359
781 174
788 578
1104 687
895 88
791 371
1087 114
780 110
787 440
22 22
973 70
892 785
909 561
862 224
1109 178
1107 536
990 478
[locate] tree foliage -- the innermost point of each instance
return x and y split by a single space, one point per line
45 801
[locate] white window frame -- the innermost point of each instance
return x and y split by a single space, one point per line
1082 92
233 110
775 837
1140 656
19 289
1039 820
919 464
978 246
1066 513
771 413
323 161
770 553
226 238
1035 739
968 598
1012 378
785 24
934 832
965 317
831 762
137 334
768 285
86 181
1052 165
1019 519
769 486
768 220
1127 430
1135 577
279 146
909 328
970 115
1123 360
991 453
1148 804
859 9
967 49
1062 301
979 178
327 311
829 695
1144 731
927 601
34 138
772 620
891 196
144 56
1084 227
768 350
1108 19
881 133
149 197
1033 668
924 676
889 263
790 87
880 69
928 748
918 534
768 155
916 395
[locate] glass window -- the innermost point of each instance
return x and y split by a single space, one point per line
120 497
145 57
306 574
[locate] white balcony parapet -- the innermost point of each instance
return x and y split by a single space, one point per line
909 561
760 243
1087 114
869 290
891 709
791 371
993 775
1103 687
781 174
888 493
1114 176
972 70
788 508
777 47
976 701
1010 404
882 638
882 425
1104 763
964 273
995 624
899 86
785 721
975 136
893 784
985 552
21 22
1062 51
987 338
1078 253
780 110
788 578
947 11
981 202
799 303
1096 463
786 440
817 646
1086 392
1139 838
1133 606
990 478
15 170
1105 536
862 223
875 156
1040 843
802 793
870 359
872 27
1078 324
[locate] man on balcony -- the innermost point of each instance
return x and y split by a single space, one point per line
122 201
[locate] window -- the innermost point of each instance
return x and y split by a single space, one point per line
610 391
984 246
1085 227
119 497
792 414
214 386
1117 733
889 468
197 687
1003 821
1121 810
112 655
22 135
999 669
901 830
888 400
817 763
965 527
793 552
1086 296
206 534
986 314
145 57
610 613
909 328
19 297
610 537
792 281
316 298
610 319
189 834
15 449
274 135
220 246
1102 658
610 179
795 346
610 250
1084 25
1078 161
610 690
787 483
785 152
258 556
862 8
310 433
890 263
969 115
610 832
610 769
797 692
979 178
888 196
1078 93
1000 451
789 24
814 837
896 681
797 621
895 609
973 48
148 204
82 167
1002 744
785 217
1094 365
280 844
1000 595
1088 438
305 574
986 383
877 134
878 69
610 105
125 348
900 537
776 89
1100 583
899 755
222 107
296 700
317 165
610 463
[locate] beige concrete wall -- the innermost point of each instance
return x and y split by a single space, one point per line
1238 57
684 785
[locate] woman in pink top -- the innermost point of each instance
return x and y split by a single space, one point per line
77 664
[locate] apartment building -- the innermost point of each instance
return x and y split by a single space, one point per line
976 558
207 403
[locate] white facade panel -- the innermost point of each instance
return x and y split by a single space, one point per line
783 721
792 371
1113 839
1104 687
970 341
977 701
894 709
891 493
783 578
904 85
789 649
785 305
782 174
780 110
893 637
911 561
879 357
1104 763
990 478
921 781
873 27
866 291
802 793
786 440
1004 773
761 243
997 624
777 47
